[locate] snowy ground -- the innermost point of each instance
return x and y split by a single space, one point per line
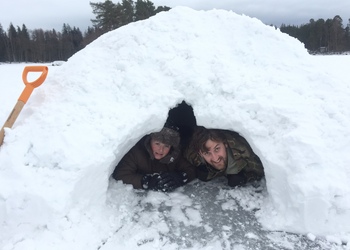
293 108
200 216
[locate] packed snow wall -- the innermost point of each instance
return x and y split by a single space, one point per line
236 73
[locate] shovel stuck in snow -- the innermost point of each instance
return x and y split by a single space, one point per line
23 98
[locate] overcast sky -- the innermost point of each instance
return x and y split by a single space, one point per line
48 14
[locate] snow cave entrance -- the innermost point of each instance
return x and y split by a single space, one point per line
183 117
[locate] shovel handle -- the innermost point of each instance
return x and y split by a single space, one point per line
14 114
11 119
31 85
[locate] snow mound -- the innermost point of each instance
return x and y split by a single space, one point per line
236 73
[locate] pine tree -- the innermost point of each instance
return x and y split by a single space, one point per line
106 18
127 12
24 44
12 43
3 43
347 36
144 9
39 45
337 34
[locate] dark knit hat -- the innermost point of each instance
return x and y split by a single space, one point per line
167 136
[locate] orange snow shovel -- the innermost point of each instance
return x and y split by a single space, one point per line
23 98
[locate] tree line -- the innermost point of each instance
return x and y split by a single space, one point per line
18 44
21 45
322 36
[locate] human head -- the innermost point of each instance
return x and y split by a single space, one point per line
163 141
211 145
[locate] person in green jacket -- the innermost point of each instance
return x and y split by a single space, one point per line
156 163
217 152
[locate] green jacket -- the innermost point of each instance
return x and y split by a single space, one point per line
241 160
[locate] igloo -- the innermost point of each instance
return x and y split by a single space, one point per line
234 71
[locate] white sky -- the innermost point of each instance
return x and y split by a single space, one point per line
52 14
237 74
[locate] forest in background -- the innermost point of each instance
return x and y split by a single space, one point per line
322 36
18 44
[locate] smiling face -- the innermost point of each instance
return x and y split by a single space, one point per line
159 149
215 154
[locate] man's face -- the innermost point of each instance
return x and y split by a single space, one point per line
159 149
215 155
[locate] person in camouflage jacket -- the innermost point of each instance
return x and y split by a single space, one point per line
223 153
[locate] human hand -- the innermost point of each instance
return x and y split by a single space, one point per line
236 180
172 180
202 172
150 181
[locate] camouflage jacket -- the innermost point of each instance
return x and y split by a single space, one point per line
240 158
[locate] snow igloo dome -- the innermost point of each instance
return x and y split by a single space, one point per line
234 72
